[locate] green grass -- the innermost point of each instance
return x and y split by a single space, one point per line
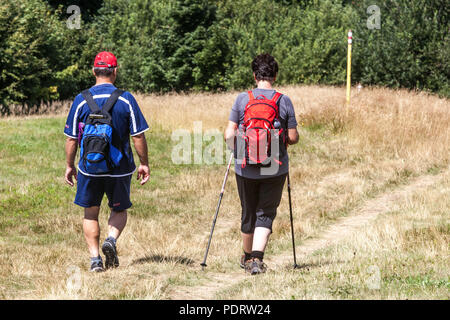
414 265
32 187
32 164
171 216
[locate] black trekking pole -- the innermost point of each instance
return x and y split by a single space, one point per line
203 264
292 220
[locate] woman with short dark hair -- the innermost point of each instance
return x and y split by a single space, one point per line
260 183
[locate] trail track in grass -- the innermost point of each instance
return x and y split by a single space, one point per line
332 235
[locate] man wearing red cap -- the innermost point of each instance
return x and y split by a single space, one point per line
126 119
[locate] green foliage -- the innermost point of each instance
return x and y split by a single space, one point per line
155 41
25 48
410 49
182 45
40 57
88 8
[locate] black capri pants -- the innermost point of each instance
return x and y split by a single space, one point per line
260 199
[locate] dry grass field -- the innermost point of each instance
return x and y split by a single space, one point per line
371 204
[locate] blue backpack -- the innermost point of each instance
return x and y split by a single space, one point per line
98 155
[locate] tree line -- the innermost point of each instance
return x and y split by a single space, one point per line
47 51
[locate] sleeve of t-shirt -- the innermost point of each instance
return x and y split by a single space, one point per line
237 105
138 124
290 112
71 128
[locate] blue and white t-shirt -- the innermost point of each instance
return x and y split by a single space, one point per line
127 119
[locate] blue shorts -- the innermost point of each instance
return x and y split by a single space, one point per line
90 191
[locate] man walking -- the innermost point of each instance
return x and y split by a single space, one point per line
260 189
125 118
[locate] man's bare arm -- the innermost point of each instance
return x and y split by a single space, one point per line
140 144
71 152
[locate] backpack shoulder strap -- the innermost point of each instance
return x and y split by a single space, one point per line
250 95
276 98
112 100
87 95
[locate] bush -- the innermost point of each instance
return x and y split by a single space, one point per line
155 41
410 49
39 55
182 45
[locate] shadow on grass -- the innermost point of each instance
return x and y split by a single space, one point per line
312 265
163 259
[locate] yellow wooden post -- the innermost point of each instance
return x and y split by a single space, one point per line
349 66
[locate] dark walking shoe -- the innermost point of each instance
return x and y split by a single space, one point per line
255 266
97 266
248 266
110 252
242 262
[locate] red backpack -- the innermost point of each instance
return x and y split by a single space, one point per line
260 116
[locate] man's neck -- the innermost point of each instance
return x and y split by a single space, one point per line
100 81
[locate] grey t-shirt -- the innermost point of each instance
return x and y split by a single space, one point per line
287 120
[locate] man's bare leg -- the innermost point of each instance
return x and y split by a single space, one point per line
91 229
116 223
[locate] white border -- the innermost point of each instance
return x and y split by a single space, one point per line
68 135
135 134
133 118
105 175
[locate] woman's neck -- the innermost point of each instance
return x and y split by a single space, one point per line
264 84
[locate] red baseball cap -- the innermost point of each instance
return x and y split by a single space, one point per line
105 60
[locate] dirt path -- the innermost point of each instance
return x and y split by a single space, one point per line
333 234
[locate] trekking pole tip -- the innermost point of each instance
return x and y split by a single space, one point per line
203 265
